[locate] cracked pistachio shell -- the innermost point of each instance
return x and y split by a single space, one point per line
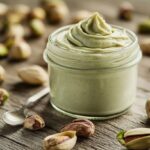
60 141
136 139
2 73
34 75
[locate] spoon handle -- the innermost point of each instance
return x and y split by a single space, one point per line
35 98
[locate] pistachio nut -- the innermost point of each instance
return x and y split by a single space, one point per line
80 15
4 95
136 139
37 13
34 75
83 127
2 73
60 141
3 50
144 27
126 11
20 51
56 10
15 30
37 27
3 9
34 122
147 107
145 46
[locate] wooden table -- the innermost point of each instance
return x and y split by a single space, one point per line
17 138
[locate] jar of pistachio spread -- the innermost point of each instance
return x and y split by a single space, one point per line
92 69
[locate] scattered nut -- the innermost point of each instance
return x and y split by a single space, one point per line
147 107
56 10
15 30
37 13
3 50
145 46
2 73
144 27
37 27
34 122
135 139
20 51
3 9
35 75
60 141
80 15
4 95
126 11
83 127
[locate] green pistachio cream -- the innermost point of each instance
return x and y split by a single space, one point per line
92 68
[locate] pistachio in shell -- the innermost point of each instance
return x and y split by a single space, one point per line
2 74
136 139
60 141
20 51
37 13
4 95
37 28
3 50
3 9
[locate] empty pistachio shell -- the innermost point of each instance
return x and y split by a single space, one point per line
2 73
34 122
60 141
35 75
37 13
147 106
3 50
136 139
37 27
83 127
80 15
4 95
20 51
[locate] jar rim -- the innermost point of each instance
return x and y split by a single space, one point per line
71 60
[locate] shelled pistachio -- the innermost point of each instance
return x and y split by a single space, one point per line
136 139
83 127
3 50
34 122
2 73
34 75
4 95
60 141
20 51
37 28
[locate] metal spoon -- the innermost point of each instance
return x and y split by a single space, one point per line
16 117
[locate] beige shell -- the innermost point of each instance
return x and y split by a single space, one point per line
60 141
20 51
34 75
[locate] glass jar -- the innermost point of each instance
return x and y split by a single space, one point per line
86 86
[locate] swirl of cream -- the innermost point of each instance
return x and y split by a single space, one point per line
94 32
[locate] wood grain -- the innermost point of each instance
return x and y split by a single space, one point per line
16 138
